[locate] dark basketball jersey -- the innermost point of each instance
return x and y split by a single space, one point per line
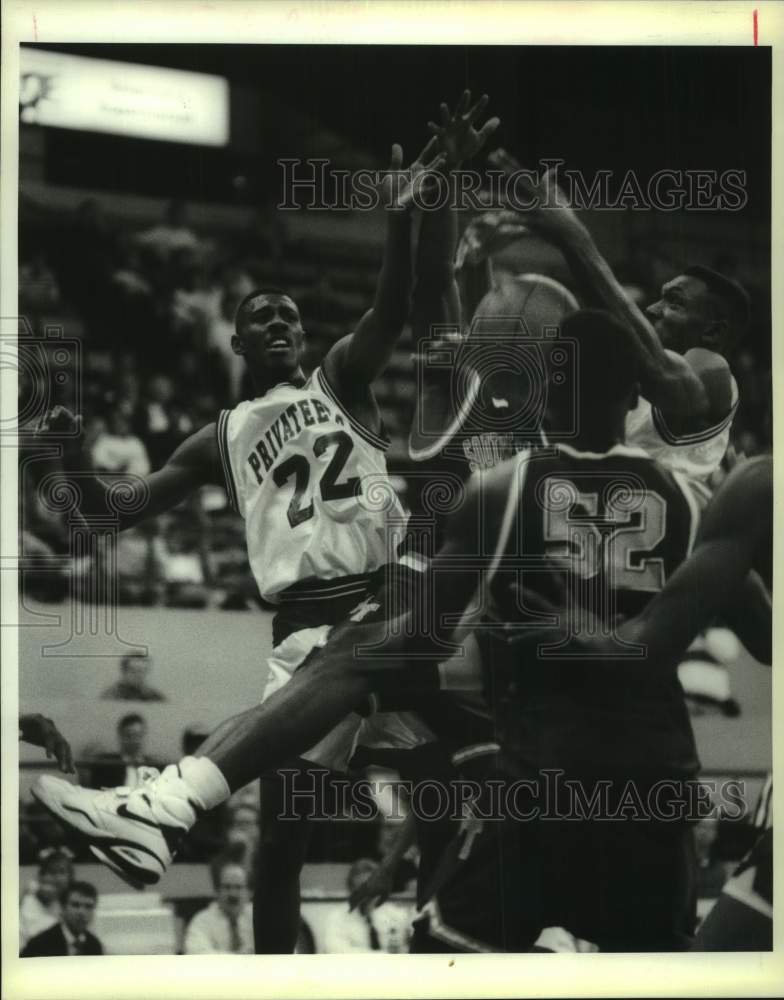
609 529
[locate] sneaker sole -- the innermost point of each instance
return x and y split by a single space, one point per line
130 878
134 877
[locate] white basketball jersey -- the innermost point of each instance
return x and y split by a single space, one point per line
696 455
311 484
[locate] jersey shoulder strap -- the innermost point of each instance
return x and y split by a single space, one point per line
320 381
668 435
224 453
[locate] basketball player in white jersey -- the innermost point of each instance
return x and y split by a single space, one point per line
298 463
688 393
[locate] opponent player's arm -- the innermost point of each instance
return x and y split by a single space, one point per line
468 554
750 616
378 886
668 380
132 499
736 525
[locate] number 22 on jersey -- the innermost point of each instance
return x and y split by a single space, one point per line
298 467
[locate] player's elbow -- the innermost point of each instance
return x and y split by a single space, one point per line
676 392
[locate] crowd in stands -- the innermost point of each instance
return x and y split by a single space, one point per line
153 309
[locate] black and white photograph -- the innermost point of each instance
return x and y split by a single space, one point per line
389 432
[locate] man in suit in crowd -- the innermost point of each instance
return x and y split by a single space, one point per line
121 768
70 936
132 685
226 925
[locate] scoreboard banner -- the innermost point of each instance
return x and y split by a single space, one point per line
101 95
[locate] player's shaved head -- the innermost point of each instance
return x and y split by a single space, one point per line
728 299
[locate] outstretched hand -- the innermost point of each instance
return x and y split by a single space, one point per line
42 732
457 136
61 424
60 420
550 212
397 185
373 891
489 234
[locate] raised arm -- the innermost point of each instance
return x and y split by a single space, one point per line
357 360
668 380
133 499
436 299
736 531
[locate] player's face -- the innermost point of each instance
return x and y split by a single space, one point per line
78 912
271 334
682 315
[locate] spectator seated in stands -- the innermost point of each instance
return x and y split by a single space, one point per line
220 329
38 288
141 557
392 925
225 926
242 834
161 426
116 449
70 935
171 235
132 685
40 907
185 564
112 769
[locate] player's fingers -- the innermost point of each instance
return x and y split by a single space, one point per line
553 194
430 149
473 113
463 103
503 161
66 757
437 163
446 117
396 157
488 128
435 129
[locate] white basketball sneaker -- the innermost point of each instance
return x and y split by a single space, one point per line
135 831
